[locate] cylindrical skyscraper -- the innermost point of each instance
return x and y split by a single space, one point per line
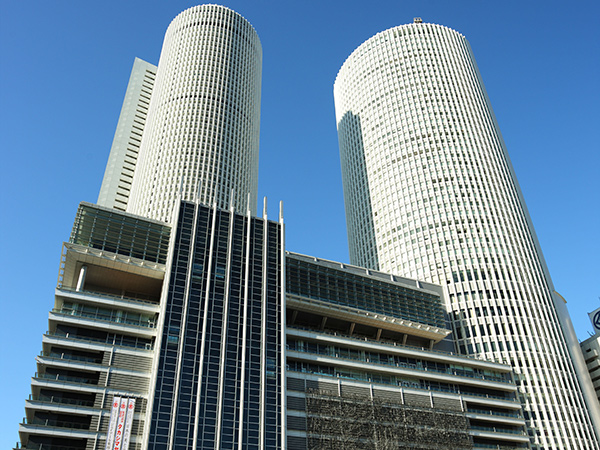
202 132
430 194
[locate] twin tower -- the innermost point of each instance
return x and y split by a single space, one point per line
189 129
429 189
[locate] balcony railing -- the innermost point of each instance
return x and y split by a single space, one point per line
494 413
402 365
70 357
60 400
477 446
390 343
498 430
143 323
56 423
31 446
65 378
108 340
368 379
110 296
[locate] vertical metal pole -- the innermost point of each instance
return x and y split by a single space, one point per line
81 280
245 327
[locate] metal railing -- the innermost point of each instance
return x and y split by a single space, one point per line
105 318
61 400
498 430
109 296
31 446
477 446
368 379
56 423
403 365
137 345
65 378
494 413
70 357
390 343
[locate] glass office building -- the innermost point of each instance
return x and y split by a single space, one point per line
219 367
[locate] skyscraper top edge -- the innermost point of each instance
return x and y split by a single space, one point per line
214 5
138 60
409 26
209 70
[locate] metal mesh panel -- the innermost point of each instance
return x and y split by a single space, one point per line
117 232
296 403
337 286
353 423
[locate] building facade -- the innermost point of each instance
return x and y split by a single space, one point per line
101 333
591 353
118 176
217 338
370 365
188 326
590 349
186 323
430 194
219 368
202 130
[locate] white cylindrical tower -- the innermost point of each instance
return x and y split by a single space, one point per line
430 194
202 132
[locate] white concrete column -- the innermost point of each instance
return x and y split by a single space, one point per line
81 280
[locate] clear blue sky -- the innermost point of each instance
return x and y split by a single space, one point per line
64 67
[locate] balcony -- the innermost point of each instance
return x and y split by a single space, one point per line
143 302
498 435
478 446
31 446
111 317
70 357
57 400
111 340
300 331
498 430
56 423
368 378
488 412
66 378
331 352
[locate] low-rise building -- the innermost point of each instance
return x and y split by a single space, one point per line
212 335
365 369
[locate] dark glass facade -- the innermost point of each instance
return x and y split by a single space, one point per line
337 286
117 232
219 380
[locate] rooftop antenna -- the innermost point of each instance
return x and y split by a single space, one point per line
265 208
280 211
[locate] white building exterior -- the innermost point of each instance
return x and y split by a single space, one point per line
430 194
118 176
591 353
202 132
